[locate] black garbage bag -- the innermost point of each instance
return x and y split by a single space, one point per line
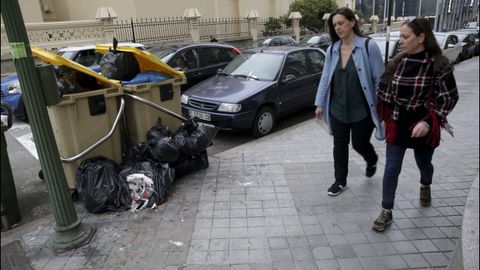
164 150
158 132
119 65
191 164
192 138
139 151
148 182
100 187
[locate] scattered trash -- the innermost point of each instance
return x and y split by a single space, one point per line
245 184
141 189
178 244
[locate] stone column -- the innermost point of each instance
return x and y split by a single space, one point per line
192 15
252 16
374 19
107 15
325 20
296 16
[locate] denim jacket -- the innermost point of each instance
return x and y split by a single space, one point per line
369 67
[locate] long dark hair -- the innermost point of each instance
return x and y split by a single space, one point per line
422 26
349 15
419 26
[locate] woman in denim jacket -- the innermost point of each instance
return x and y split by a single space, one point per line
346 94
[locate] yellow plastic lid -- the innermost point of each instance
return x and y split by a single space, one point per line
146 60
58 60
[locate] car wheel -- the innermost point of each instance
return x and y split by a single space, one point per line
264 122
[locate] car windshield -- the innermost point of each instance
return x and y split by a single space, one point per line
314 40
461 36
261 66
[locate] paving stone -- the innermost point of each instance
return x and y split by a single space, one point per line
279 255
330 264
394 262
337 239
436 259
349 264
414 234
444 244
405 247
364 250
302 254
372 263
384 249
278 242
305 265
343 251
425 245
322 253
415 260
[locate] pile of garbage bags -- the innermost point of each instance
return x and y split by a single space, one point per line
148 169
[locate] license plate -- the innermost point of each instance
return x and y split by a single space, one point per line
200 115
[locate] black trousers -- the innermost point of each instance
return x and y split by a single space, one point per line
361 134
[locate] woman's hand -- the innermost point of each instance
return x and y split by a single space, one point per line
319 113
421 129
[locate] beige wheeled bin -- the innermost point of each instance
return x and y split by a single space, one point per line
142 101
85 124
80 122
140 117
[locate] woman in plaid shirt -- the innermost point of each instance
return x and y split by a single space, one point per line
415 94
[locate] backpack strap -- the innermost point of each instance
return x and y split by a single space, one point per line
366 45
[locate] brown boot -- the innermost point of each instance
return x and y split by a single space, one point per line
425 196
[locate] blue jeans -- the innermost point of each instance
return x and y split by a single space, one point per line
393 167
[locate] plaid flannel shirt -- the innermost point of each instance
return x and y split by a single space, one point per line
410 87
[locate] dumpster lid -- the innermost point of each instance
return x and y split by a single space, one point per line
58 60
146 60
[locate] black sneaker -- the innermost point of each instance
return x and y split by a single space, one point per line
371 170
383 221
336 189
425 196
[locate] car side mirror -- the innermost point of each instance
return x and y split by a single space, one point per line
288 78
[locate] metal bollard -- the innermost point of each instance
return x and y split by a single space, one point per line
9 204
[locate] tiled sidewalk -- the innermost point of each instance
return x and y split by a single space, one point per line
264 205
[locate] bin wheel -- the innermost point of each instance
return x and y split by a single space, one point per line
40 175
74 195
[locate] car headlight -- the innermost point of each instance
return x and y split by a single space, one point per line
184 99
14 88
228 107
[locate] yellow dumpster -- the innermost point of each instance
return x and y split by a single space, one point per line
139 117
84 124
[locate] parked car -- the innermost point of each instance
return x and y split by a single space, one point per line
450 46
468 44
321 41
199 61
393 45
256 88
85 55
272 42
473 35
